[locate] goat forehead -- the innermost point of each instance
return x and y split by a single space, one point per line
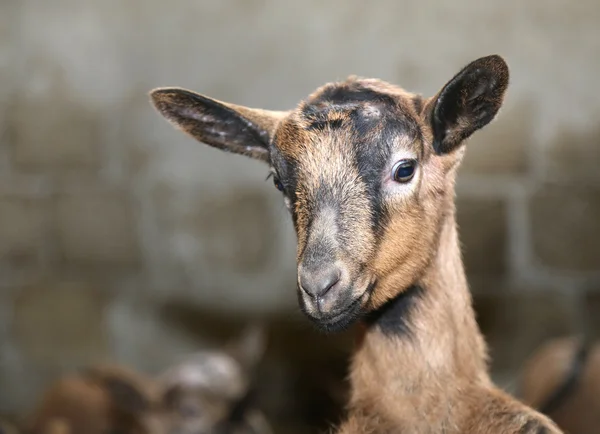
349 118
356 89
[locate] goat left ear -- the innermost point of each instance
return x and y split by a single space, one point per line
226 126
468 102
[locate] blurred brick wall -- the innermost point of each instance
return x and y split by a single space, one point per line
106 212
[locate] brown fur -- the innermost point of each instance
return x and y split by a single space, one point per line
374 246
110 398
99 400
547 369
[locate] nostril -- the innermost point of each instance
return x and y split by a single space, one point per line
318 283
329 282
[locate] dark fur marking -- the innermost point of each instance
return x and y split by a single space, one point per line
534 427
347 99
417 102
370 167
318 116
350 92
286 171
320 125
390 123
393 318
363 125
570 383
372 155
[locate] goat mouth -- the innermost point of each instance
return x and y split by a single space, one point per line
347 316
341 320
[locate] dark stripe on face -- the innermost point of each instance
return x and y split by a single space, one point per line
376 137
371 166
393 318
287 174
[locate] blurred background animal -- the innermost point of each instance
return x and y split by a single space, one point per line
99 400
300 381
562 379
213 391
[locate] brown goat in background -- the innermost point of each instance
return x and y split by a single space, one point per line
98 400
208 392
367 171
562 380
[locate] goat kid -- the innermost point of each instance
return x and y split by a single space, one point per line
367 171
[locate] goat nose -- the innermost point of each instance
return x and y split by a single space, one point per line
318 283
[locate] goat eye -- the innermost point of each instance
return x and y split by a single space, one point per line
278 184
404 170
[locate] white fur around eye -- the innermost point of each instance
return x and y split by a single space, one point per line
394 188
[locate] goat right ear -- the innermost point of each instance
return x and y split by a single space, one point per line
468 102
225 126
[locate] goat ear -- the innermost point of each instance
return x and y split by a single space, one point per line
249 347
468 102
225 126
